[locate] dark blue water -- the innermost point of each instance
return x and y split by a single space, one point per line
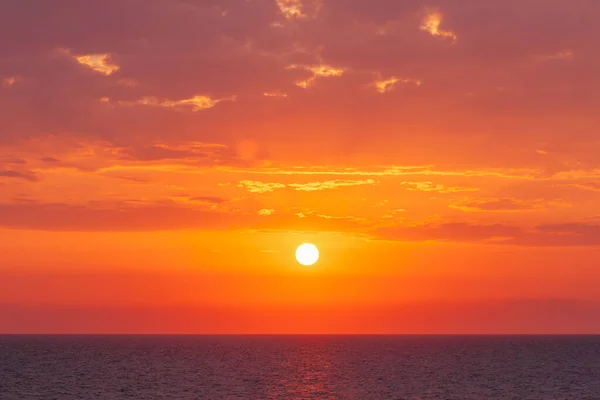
300 367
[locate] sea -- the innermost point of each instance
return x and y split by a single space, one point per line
299 367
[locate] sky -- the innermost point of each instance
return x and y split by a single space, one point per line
161 160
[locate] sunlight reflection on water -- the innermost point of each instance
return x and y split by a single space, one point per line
299 367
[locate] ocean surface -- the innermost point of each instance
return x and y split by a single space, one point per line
300 367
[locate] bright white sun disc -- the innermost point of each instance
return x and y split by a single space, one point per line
307 254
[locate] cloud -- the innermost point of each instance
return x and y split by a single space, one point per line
154 153
565 234
50 160
317 71
555 235
398 170
208 199
128 82
259 187
194 104
9 81
325 70
266 211
393 214
299 9
142 155
560 55
112 217
428 186
456 232
228 49
591 186
275 94
385 85
98 62
286 221
264 187
156 216
334 184
18 175
151 216
195 56
431 23
348 217
139 313
501 204
131 178
19 161
291 8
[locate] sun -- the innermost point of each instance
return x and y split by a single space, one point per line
307 254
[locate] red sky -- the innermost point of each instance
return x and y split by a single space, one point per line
160 161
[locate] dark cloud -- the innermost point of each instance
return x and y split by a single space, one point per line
18 175
24 200
62 217
154 216
19 161
50 160
567 234
209 199
133 179
456 232
505 204
591 186
154 153
515 316
148 216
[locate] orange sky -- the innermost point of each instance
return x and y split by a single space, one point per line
161 160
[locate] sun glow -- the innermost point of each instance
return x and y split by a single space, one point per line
307 254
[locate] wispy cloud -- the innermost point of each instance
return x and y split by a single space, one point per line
552 235
299 9
120 109
325 70
398 170
591 186
98 62
264 187
428 186
291 8
50 160
314 186
275 94
431 23
348 217
260 187
265 212
139 216
18 175
566 54
386 85
208 199
503 204
9 81
321 70
194 104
